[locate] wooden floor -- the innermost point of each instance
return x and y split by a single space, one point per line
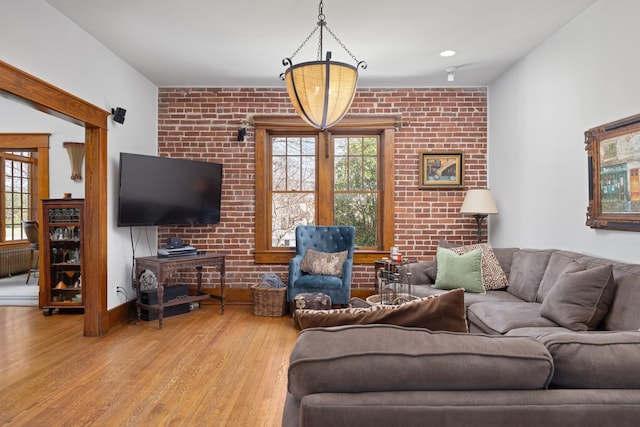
202 368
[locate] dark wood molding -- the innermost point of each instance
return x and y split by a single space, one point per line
45 97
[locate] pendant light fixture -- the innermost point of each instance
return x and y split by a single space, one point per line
321 91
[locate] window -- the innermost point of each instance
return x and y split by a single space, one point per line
24 168
343 176
356 186
17 203
292 185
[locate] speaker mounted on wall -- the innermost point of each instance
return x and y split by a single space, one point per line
118 114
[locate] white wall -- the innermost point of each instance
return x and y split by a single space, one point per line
584 76
42 42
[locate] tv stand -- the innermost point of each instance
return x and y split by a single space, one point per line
164 267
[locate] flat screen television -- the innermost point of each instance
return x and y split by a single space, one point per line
166 191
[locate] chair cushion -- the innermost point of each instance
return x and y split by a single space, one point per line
318 281
326 263
443 312
580 298
459 271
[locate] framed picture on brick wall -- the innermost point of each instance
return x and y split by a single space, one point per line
614 175
441 169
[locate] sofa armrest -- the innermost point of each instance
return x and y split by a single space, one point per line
422 272
367 358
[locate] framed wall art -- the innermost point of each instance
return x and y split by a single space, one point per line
441 169
613 151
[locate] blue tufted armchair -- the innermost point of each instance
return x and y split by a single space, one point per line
322 239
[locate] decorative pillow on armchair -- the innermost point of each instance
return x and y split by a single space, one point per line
327 263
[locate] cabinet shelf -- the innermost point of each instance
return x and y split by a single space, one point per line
62 240
176 301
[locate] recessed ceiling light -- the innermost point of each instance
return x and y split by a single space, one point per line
447 53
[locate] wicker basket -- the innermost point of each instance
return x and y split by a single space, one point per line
270 302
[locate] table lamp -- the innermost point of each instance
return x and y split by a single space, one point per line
479 204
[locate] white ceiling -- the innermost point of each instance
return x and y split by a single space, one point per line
241 43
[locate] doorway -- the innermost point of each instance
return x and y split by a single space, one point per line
43 96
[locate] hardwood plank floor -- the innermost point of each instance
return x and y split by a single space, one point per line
201 369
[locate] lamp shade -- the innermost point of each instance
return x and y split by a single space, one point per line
478 202
321 91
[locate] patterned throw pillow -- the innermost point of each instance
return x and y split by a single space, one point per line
442 312
327 263
493 276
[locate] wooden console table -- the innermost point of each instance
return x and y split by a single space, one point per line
163 267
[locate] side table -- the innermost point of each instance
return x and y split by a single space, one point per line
163 267
389 288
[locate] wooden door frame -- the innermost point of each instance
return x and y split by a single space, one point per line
50 99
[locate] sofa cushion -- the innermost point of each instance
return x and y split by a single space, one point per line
500 317
327 263
556 265
493 276
535 331
580 298
385 357
625 307
505 258
459 271
601 360
444 312
471 408
500 295
527 269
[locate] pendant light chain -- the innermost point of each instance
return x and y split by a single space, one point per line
322 23
303 43
362 64
321 91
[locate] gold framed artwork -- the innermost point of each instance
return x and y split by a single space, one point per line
613 151
441 169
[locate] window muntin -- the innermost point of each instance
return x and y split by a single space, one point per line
293 183
17 175
356 192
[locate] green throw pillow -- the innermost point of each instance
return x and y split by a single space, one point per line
459 271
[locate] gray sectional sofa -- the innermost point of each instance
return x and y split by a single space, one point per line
560 346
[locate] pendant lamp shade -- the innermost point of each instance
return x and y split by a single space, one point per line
321 91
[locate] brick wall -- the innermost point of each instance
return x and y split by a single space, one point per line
202 124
